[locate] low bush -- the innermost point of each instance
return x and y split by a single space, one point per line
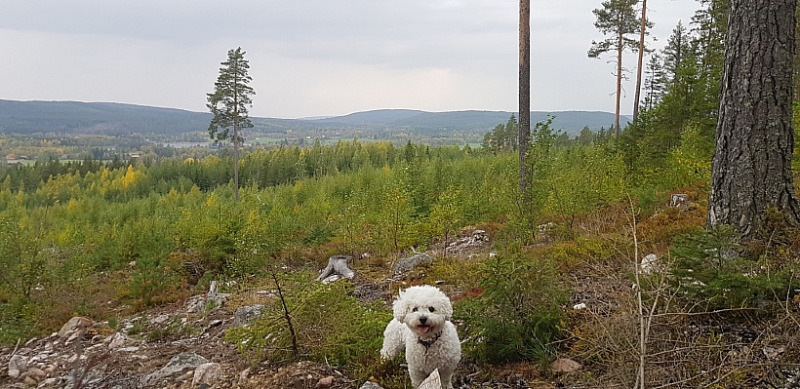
711 271
518 315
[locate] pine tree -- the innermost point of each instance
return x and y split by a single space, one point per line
524 92
645 24
751 168
228 103
797 58
617 19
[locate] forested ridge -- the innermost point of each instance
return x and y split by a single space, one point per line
72 121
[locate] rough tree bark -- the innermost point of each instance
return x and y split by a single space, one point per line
524 91
752 165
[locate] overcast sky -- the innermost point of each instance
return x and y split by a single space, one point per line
314 57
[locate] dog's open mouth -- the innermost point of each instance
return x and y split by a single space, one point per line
423 329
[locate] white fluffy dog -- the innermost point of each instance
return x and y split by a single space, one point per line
422 325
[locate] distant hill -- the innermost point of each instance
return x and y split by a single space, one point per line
69 117
571 122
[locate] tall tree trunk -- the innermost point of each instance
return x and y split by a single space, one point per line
641 58
620 49
524 90
236 163
797 57
752 165
236 134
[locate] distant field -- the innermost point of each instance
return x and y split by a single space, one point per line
29 162
266 141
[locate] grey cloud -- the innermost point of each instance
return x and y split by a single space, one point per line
176 46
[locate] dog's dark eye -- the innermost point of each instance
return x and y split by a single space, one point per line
415 309
431 309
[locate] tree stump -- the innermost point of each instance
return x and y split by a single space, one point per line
338 267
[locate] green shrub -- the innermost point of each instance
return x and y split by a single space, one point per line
330 325
517 316
17 320
710 272
152 284
587 249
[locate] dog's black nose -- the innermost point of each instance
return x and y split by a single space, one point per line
423 319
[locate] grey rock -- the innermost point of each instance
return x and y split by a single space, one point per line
117 340
434 381
678 199
773 353
16 365
325 382
178 364
215 296
74 324
195 304
244 315
244 377
36 373
565 365
370 385
650 264
405 265
160 319
207 373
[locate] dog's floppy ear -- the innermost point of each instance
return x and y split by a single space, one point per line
400 307
447 309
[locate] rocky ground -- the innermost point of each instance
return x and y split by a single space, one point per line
182 346
166 348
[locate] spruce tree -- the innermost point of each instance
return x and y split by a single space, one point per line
676 50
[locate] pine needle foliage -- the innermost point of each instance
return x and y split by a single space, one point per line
711 272
231 98
330 325
517 317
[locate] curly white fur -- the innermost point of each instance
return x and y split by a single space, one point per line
422 326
